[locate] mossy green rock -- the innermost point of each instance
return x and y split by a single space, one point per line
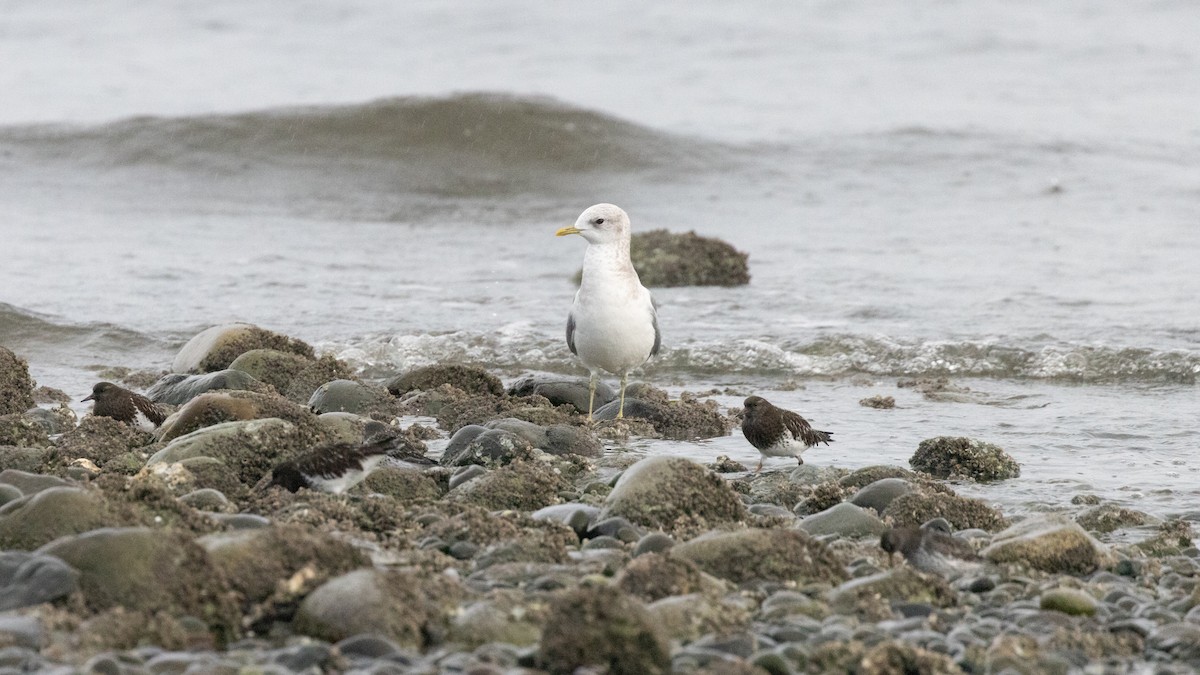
407 607
1051 544
603 627
255 561
956 456
153 570
762 555
295 377
16 387
665 492
249 447
36 519
217 347
1068 601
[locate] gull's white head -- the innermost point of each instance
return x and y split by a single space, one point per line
600 224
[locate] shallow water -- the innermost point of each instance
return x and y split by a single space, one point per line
1002 194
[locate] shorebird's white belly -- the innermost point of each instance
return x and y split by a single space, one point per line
785 447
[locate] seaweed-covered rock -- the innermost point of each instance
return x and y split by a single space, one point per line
101 440
411 608
869 474
295 377
402 484
217 347
177 389
255 561
560 390
470 379
957 456
963 513
872 597
665 259
684 419
455 408
485 447
887 658
16 387
669 492
250 447
603 627
43 516
229 406
1051 544
22 431
138 568
521 485
654 576
1108 517
762 555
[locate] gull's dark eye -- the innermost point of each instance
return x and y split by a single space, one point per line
599 221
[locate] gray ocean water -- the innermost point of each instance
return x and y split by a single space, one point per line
1005 194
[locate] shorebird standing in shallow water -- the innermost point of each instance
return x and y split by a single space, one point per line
777 432
126 406
613 325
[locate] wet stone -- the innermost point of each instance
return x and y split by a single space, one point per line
881 493
560 390
177 389
28 579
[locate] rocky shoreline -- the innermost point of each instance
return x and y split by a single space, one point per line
535 544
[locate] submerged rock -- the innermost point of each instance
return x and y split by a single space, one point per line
956 456
217 347
605 628
670 492
16 387
1050 544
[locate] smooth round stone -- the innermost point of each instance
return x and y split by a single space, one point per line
578 517
29 483
463 550
177 389
9 493
1068 601
770 510
28 579
22 632
844 519
465 474
103 664
367 646
603 541
1128 568
981 585
655 542
879 494
207 499
242 521
559 390
616 527
343 396
301 658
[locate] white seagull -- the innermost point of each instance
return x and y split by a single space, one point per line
613 325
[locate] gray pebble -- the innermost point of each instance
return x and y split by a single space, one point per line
465 474
655 542
367 646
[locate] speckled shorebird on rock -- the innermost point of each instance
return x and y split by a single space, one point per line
337 467
117 402
931 548
613 325
777 432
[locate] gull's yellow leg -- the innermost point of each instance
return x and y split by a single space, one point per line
621 409
591 395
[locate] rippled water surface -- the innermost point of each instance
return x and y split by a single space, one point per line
1005 194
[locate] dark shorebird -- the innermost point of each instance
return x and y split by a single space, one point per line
931 548
613 324
125 406
337 467
777 432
